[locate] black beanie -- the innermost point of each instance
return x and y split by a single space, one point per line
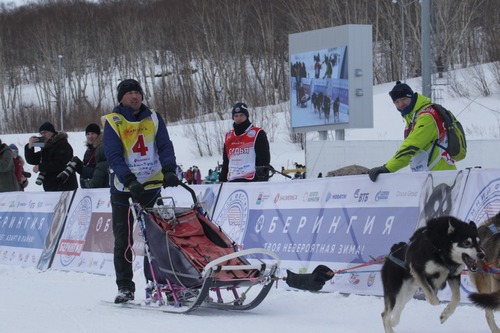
128 85
240 108
47 127
400 90
93 128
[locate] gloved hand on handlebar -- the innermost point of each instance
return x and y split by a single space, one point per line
170 179
136 189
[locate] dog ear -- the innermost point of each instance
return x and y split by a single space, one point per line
440 226
451 228
473 225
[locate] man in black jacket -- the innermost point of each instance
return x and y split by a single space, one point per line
51 159
246 155
86 167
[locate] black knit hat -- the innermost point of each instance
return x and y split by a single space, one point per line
240 108
93 128
47 127
400 90
128 85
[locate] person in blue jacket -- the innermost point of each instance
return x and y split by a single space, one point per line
139 150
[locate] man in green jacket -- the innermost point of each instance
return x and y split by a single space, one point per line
424 135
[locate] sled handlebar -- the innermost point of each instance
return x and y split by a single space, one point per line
185 186
271 169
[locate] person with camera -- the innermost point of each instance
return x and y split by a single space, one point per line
94 161
139 150
8 180
51 159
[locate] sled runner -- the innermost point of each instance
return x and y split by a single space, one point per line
193 263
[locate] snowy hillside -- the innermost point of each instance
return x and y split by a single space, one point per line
54 301
479 115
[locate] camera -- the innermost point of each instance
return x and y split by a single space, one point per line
40 143
69 170
26 174
41 177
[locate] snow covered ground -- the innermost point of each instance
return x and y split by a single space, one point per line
53 301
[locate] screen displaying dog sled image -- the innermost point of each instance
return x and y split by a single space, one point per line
317 85
336 63
191 262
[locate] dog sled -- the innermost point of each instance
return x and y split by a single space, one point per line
192 263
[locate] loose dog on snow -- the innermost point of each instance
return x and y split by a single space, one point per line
487 281
436 254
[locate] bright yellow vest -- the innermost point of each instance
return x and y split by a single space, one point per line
139 147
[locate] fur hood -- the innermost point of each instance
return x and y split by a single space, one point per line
56 138
98 141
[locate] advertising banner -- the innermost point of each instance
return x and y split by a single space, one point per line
481 201
346 223
338 221
87 242
30 226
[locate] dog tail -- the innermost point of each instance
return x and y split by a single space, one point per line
486 301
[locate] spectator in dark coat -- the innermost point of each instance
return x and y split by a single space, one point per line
52 158
86 167
100 173
8 180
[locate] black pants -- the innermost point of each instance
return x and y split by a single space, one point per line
123 233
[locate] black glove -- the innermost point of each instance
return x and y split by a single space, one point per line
170 179
222 177
262 173
374 172
136 189
78 164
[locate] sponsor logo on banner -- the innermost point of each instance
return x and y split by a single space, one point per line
361 196
285 197
335 196
233 217
406 194
382 195
75 232
311 197
486 204
99 203
371 279
261 198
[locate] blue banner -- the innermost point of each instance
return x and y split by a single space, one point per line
353 235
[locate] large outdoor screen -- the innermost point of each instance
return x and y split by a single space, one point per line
331 79
320 87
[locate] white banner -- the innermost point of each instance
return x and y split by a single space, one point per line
341 222
87 242
30 226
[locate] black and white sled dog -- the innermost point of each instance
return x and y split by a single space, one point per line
437 253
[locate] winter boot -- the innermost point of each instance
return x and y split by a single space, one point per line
124 295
